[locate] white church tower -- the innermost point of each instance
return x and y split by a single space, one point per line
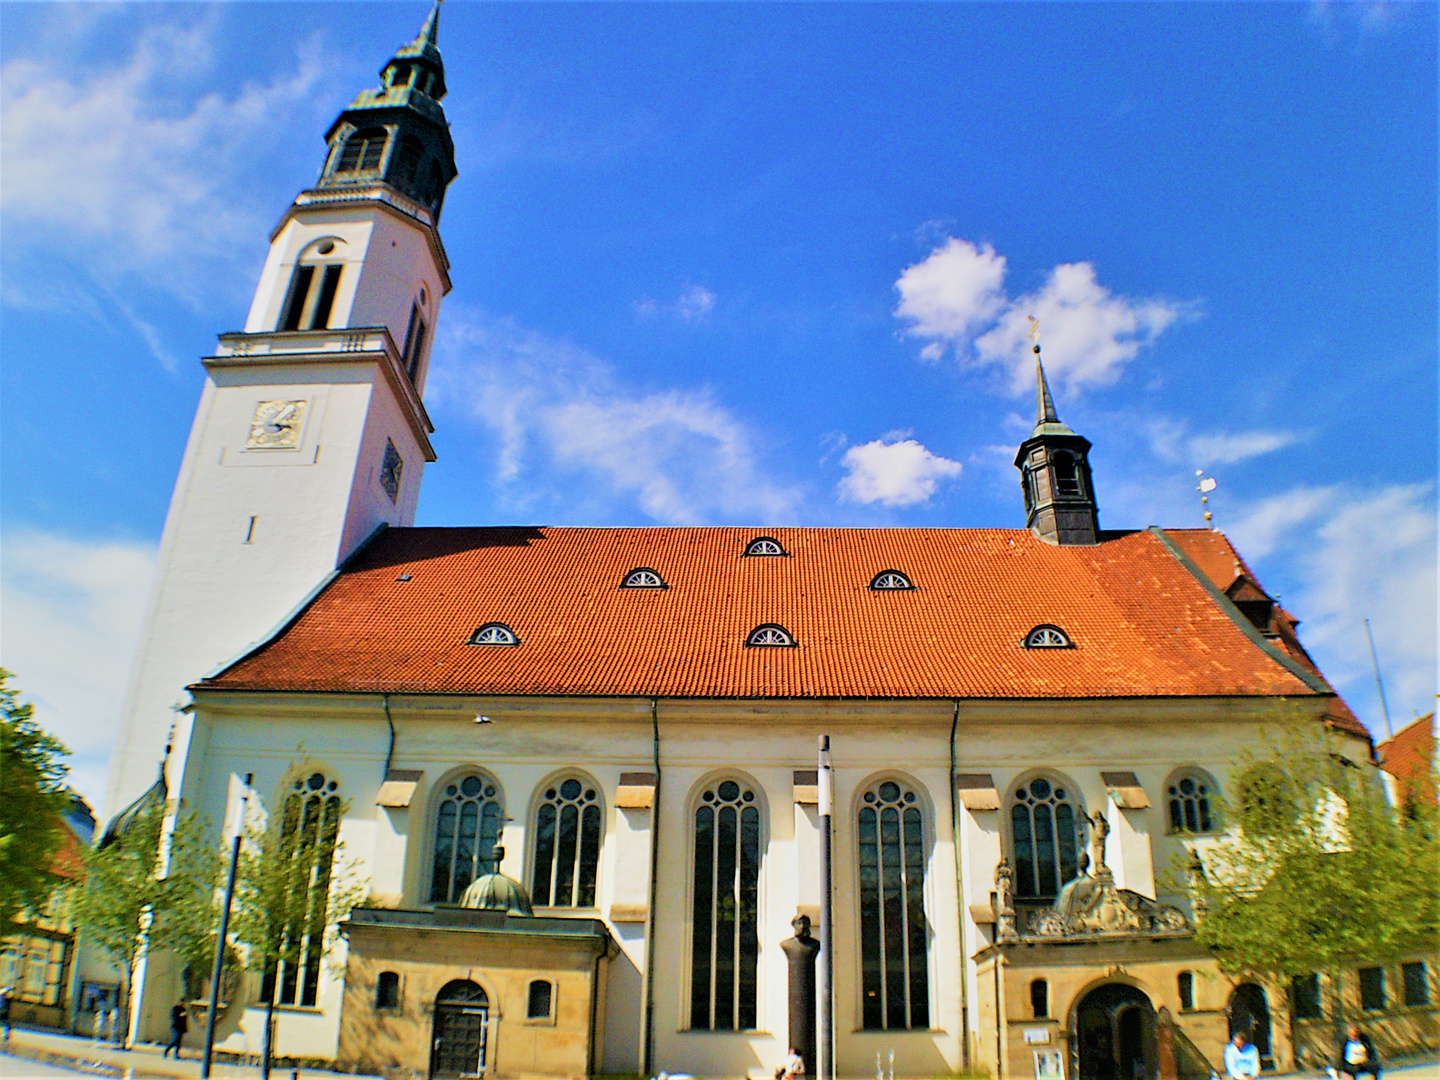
311 432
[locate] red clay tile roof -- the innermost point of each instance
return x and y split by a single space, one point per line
1142 624
1410 755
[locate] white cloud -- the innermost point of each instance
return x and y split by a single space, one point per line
1358 554
70 624
692 306
955 300
1172 441
681 455
130 169
893 472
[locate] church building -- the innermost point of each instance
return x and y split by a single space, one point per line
577 767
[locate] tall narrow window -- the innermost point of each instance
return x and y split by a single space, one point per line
725 949
893 937
320 317
1372 988
414 341
567 845
307 852
1042 824
1039 999
1185 983
1415 978
1067 474
387 990
1305 997
295 302
407 163
467 828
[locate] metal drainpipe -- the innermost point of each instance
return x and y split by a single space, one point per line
648 1056
959 900
390 753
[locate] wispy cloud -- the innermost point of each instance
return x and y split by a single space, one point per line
693 306
955 300
133 170
679 454
1172 441
1356 554
894 471
1367 16
70 623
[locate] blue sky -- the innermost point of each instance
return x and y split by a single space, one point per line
760 263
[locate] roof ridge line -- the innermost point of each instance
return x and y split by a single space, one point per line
1315 683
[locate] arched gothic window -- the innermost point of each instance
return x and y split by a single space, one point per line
1047 637
643 578
891 579
1067 474
363 150
893 939
567 844
307 852
770 634
467 828
725 945
1188 797
764 545
1043 824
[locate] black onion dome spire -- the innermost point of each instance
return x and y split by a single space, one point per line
396 134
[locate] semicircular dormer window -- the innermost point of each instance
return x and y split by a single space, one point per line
1048 637
764 545
891 579
494 634
643 578
770 635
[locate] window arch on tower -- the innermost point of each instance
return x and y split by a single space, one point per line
468 818
309 831
1067 474
407 163
1045 817
568 824
364 150
314 283
894 975
728 839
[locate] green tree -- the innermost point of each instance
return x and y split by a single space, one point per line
143 895
1319 871
294 885
32 778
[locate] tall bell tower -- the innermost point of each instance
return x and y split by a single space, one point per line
311 431
1054 465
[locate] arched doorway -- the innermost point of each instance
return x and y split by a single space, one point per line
1114 1035
1249 1012
457 1044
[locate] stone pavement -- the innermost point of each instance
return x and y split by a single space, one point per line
143 1062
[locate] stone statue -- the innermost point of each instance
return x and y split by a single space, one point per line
800 952
1004 901
1099 830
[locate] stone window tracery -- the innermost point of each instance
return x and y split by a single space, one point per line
307 851
467 829
725 943
567 844
1043 827
895 987
1188 798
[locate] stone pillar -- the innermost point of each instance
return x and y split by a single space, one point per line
800 952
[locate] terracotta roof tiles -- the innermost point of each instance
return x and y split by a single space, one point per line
1142 624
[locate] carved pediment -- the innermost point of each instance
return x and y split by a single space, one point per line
1090 906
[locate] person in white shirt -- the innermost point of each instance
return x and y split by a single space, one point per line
1242 1058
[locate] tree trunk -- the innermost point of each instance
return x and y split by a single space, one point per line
267 1048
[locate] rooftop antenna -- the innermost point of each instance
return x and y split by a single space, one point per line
1205 485
1379 683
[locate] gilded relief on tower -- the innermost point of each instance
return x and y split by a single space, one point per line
276 425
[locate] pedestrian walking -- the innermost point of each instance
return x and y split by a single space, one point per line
1357 1055
5 1011
1242 1058
179 1024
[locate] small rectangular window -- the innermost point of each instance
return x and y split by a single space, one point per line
295 303
1305 997
1416 980
320 318
1186 986
539 1005
387 990
1040 999
1372 988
